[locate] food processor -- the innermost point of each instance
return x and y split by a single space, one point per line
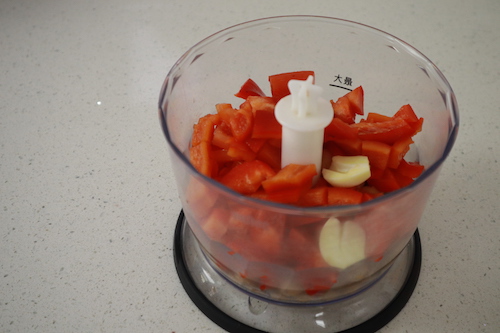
256 266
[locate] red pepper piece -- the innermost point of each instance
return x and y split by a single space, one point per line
204 129
241 124
385 131
266 126
279 82
314 197
200 157
377 153
338 129
398 151
344 196
292 176
410 169
249 88
247 177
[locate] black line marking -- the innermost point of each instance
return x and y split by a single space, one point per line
333 85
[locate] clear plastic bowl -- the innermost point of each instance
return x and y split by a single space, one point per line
271 250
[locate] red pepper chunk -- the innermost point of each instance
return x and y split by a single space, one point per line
214 225
377 152
247 177
241 124
261 103
287 196
339 196
279 82
222 136
349 146
256 144
387 182
271 155
342 110
338 129
398 151
249 88
225 111
356 100
266 126
204 129
407 114
201 158
374 117
314 197
241 151
410 169
292 176
387 132
348 106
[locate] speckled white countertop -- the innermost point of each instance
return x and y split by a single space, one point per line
87 200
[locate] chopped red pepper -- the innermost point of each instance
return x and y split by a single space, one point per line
225 111
255 144
241 151
241 124
214 225
270 154
285 196
356 100
314 197
200 157
279 82
261 103
377 152
339 129
388 131
410 169
247 177
407 114
344 196
342 110
348 106
204 129
349 146
249 88
241 148
226 142
386 182
222 136
266 126
373 117
398 151
292 176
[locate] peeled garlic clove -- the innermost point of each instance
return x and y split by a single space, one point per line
347 171
342 244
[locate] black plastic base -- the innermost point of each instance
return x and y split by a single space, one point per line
230 324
